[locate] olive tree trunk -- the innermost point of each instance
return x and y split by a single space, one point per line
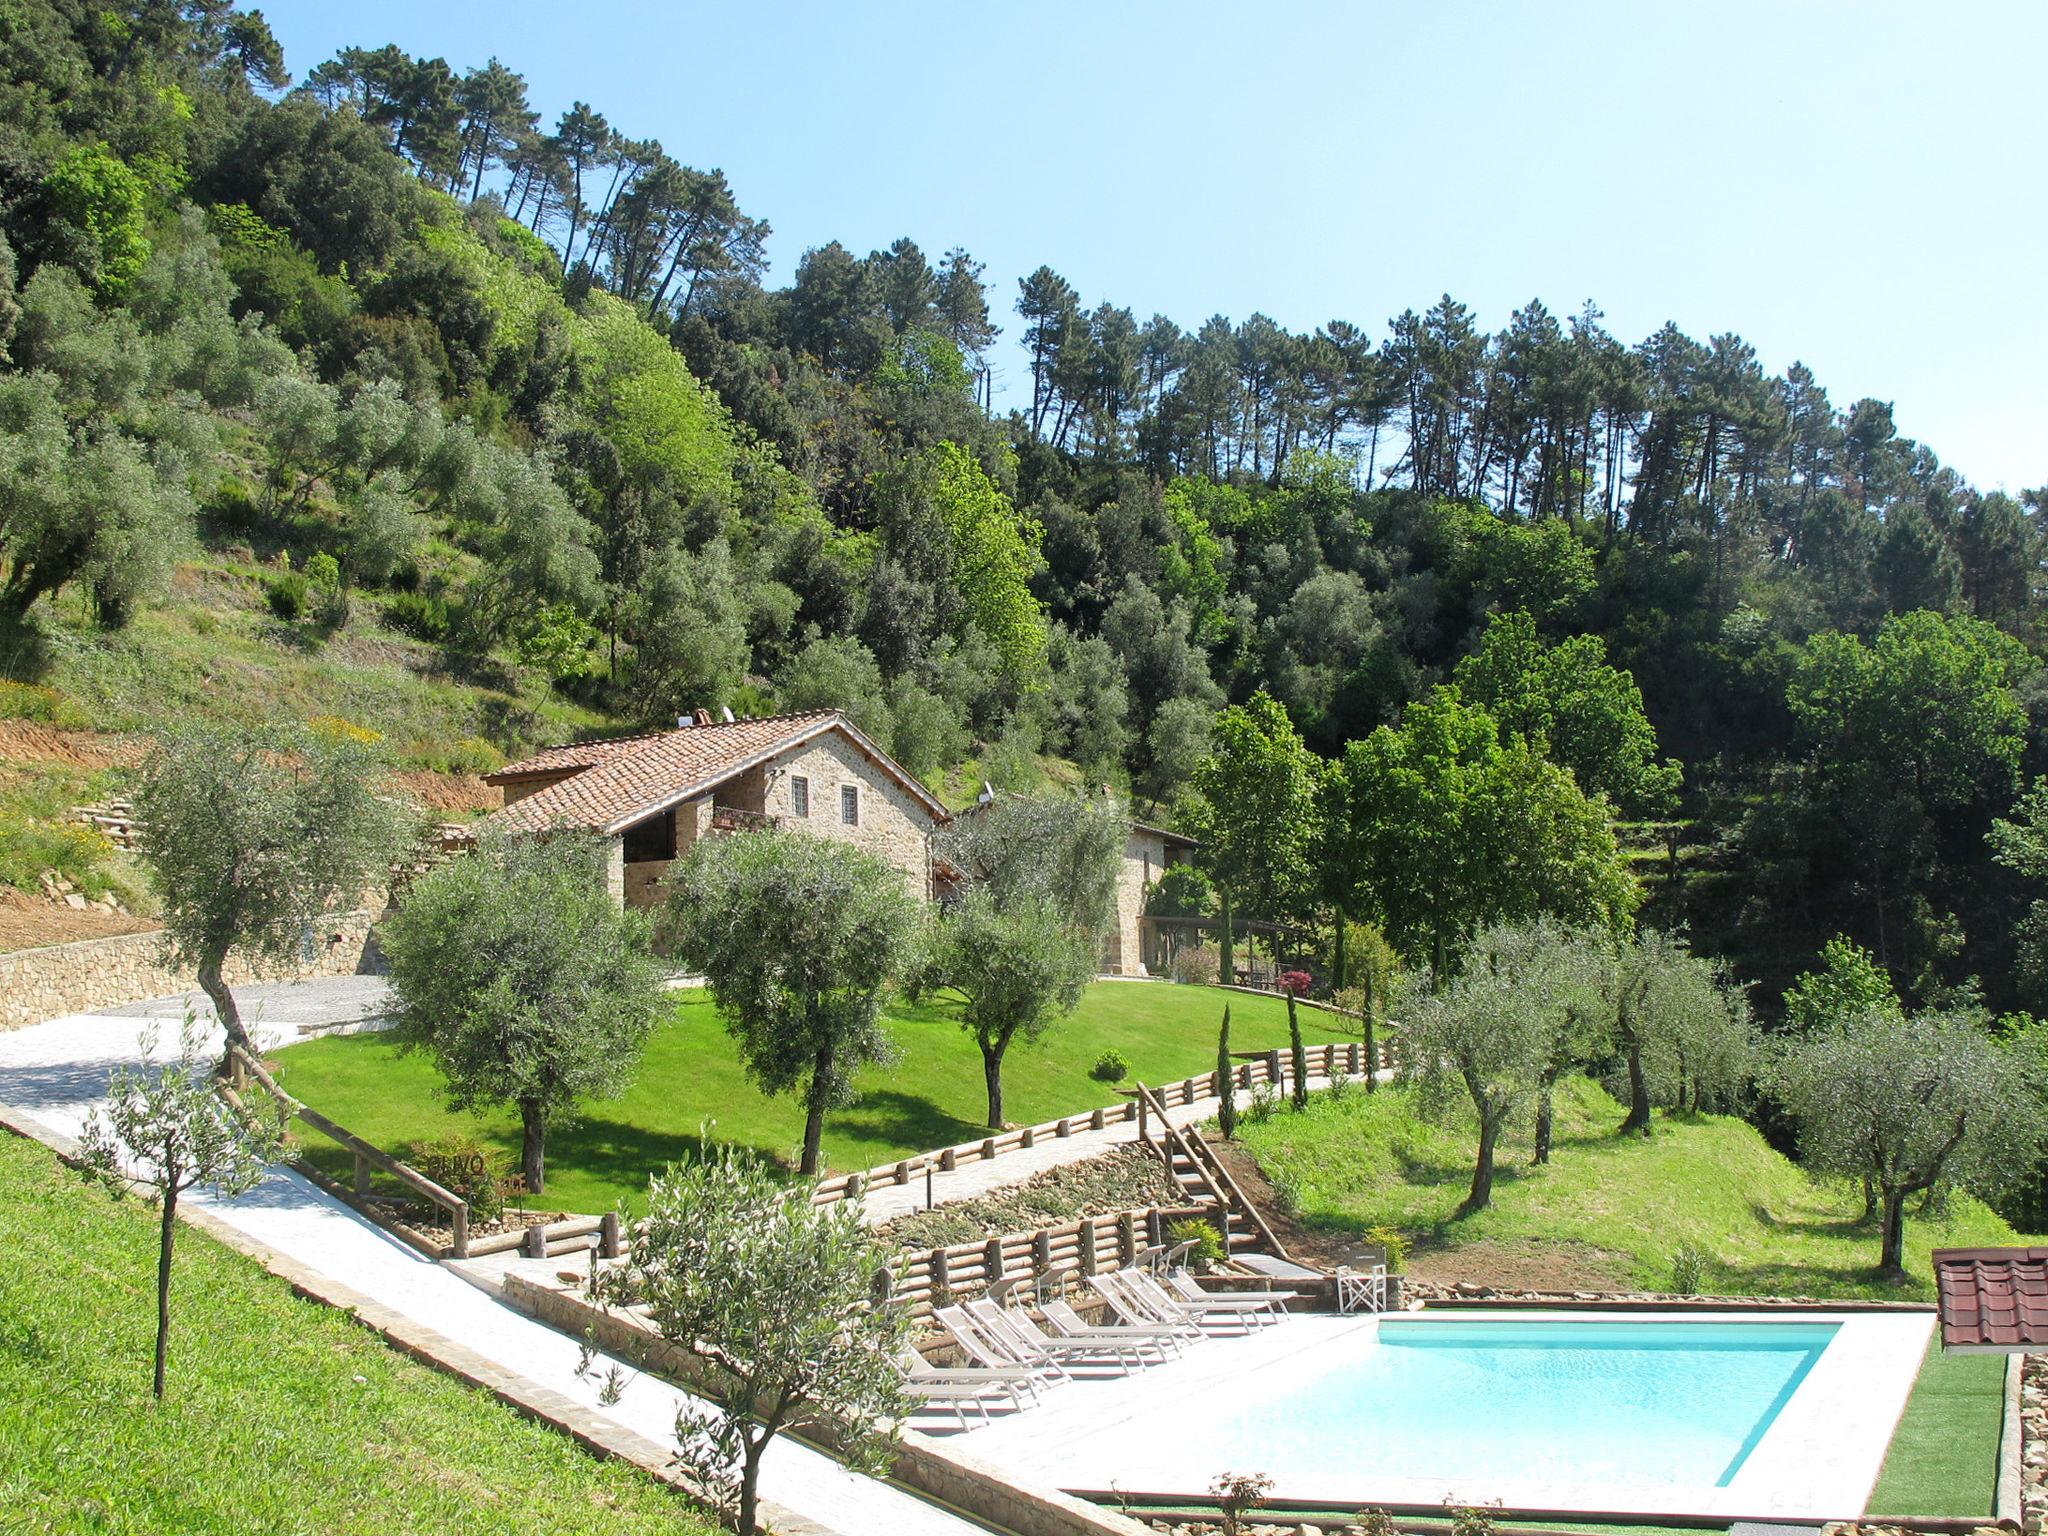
814 1110
167 1239
533 1144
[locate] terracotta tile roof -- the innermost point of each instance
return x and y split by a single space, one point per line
1993 1299
614 782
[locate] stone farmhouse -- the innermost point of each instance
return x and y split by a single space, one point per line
654 795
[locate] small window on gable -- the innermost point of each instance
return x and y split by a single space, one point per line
849 804
799 796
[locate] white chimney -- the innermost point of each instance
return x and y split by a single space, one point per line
726 711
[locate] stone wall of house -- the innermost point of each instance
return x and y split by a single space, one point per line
1123 953
38 984
893 823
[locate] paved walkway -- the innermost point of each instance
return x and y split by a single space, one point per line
53 1073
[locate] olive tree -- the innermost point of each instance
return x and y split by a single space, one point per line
777 1296
1914 1105
1684 1035
1489 1030
168 1130
253 836
523 980
1025 941
800 939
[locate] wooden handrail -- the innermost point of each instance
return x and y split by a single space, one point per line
1223 1189
1238 1198
365 1152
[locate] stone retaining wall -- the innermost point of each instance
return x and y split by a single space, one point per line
38 984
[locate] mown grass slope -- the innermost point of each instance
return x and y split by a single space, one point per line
280 1414
1708 1180
692 1083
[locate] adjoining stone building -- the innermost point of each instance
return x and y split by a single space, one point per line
1138 946
654 795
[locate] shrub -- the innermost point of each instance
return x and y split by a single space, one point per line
1472 1522
462 1165
1208 1252
286 595
1393 1242
1196 967
1294 983
1237 1492
1375 1522
1265 1099
1688 1270
418 615
323 571
234 503
1110 1067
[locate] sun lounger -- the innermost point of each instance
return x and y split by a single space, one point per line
964 1387
1071 1323
1245 1310
1031 1341
993 1351
1135 1309
1184 1285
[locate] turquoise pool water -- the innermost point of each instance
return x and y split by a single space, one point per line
1650 1403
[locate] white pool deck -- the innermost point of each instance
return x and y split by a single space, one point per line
1819 1460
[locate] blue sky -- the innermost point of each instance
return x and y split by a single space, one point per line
1856 185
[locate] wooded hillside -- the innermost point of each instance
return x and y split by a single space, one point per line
396 376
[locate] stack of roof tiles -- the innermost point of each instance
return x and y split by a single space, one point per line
1993 1298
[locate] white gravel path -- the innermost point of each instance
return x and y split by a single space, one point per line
53 1073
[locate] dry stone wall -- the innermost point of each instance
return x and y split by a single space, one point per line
38 984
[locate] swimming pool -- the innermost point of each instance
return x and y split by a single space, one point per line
1750 1415
1677 1403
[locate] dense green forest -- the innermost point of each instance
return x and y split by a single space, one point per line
526 392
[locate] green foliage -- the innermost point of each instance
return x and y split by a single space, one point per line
99 196
661 421
1208 1252
1256 812
1582 713
1688 1269
1442 828
286 594
419 615
1391 1241
799 939
692 1074
45 706
1848 984
1927 708
518 975
777 1296
1916 1106
995 554
252 836
1110 1067
1195 965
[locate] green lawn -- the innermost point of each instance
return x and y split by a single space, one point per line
691 1081
1943 1460
1709 1180
281 1414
